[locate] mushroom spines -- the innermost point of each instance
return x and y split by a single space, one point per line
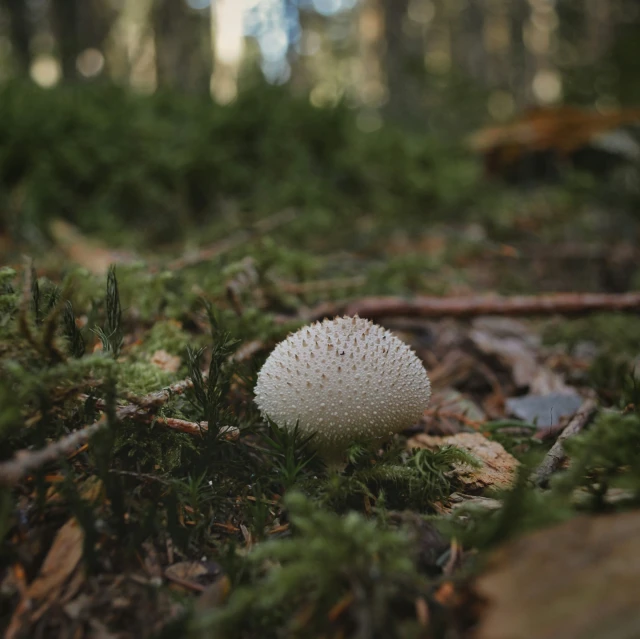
343 379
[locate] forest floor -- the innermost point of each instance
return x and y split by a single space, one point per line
142 495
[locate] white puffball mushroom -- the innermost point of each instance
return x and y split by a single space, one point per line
344 379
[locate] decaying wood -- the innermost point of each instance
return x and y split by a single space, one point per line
548 304
557 455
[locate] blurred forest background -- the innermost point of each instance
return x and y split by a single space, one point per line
404 58
249 166
143 118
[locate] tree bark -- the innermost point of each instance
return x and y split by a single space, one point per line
397 60
182 62
20 33
66 28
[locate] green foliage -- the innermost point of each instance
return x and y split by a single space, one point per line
289 452
8 299
72 332
435 467
112 336
523 509
408 273
303 577
616 333
210 393
402 482
606 455
106 160
153 448
168 336
616 380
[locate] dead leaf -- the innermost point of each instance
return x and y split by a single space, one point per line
86 252
165 361
498 468
555 133
194 575
513 344
512 353
577 580
59 565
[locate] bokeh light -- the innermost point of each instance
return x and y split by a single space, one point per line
45 70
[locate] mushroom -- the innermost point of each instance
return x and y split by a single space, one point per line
344 379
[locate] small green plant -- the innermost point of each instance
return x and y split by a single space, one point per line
111 335
290 453
72 332
296 581
606 455
211 392
434 468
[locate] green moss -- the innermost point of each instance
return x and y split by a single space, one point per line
328 557
167 335
616 333
141 378
163 165
606 456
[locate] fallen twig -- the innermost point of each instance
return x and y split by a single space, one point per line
557 455
422 306
26 461
158 398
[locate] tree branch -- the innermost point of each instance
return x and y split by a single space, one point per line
557 455
26 461
548 304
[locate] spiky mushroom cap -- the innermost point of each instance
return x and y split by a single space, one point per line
344 379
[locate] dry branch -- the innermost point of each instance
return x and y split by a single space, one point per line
557 455
548 304
26 461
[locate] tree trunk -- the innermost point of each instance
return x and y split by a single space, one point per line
182 60
20 33
400 103
66 28
371 87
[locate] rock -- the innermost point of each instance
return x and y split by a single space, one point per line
544 410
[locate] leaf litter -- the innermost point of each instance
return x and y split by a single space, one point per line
217 526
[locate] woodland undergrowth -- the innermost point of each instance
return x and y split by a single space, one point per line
297 544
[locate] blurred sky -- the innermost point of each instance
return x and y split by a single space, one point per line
275 24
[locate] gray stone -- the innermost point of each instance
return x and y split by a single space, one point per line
544 410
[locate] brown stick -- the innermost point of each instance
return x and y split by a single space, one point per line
158 398
26 461
557 455
549 304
